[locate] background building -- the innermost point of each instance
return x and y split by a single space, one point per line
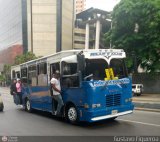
50 26
80 5
10 30
41 26
90 27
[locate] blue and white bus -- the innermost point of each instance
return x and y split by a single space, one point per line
95 84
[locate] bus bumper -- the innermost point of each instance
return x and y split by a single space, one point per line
107 113
111 115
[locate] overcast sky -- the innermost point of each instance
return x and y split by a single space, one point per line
106 5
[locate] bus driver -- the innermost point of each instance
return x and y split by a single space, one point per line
56 88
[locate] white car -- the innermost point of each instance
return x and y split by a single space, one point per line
137 89
1 103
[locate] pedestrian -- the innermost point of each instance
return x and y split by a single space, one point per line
13 89
19 90
56 88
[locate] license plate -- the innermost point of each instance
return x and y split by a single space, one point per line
114 112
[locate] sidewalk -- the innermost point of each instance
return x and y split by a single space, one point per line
148 102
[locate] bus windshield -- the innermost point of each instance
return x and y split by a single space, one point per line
97 68
119 68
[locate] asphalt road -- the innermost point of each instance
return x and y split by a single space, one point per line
14 121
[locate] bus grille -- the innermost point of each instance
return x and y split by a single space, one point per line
113 100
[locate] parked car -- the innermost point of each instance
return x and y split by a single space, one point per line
137 89
1 103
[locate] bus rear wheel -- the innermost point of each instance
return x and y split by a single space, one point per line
28 106
1 107
72 114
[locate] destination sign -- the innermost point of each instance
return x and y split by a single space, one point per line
110 82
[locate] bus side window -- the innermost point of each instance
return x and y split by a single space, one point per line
70 76
53 68
13 74
24 73
42 74
32 75
18 74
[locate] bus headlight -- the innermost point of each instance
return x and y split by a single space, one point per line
128 100
86 106
96 105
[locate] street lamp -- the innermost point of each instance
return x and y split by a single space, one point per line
136 29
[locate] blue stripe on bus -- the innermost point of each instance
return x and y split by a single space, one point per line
39 88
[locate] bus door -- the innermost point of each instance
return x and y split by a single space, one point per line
16 74
48 100
42 86
36 89
70 78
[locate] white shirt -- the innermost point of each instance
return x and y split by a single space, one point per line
56 82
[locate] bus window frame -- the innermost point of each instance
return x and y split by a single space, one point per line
31 71
24 77
70 80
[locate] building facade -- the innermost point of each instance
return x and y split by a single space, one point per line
90 27
50 26
80 6
79 38
40 26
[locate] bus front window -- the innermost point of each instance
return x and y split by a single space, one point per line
97 68
119 68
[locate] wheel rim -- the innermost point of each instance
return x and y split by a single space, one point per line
72 114
28 105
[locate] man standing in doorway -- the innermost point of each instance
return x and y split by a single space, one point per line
56 87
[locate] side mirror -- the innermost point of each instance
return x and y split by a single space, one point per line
81 63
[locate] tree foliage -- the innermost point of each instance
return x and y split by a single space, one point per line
136 29
24 58
6 73
2 78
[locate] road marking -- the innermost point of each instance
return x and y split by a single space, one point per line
150 124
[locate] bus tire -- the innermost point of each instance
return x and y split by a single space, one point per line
28 105
72 114
139 94
113 118
1 107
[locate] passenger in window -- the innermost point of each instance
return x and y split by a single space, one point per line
56 87
19 90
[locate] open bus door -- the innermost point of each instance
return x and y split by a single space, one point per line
72 70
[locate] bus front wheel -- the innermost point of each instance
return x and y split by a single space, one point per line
72 114
28 106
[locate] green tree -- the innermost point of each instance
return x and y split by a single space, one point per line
2 78
136 29
24 58
6 73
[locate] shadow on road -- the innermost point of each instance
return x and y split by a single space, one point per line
95 125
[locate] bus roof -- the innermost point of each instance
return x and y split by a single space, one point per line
87 53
